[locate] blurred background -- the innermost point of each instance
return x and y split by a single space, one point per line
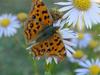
14 58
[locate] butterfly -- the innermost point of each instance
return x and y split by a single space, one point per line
39 28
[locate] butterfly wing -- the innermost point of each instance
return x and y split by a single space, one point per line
32 29
57 47
39 18
53 46
40 12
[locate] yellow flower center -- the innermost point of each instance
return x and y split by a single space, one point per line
5 22
82 4
93 43
94 70
22 16
80 36
78 54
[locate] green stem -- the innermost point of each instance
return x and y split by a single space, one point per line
35 67
48 69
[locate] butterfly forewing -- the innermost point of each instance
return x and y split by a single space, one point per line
32 29
39 18
40 12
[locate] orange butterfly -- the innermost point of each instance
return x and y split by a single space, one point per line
39 28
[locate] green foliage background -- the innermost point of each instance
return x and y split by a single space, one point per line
14 59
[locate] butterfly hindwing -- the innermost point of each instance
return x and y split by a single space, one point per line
57 46
53 46
40 48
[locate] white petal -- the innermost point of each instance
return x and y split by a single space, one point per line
63 3
69 43
69 54
67 14
56 60
73 17
83 64
88 62
62 24
65 8
57 23
80 22
97 61
82 70
49 60
80 74
69 48
87 20
66 34
1 32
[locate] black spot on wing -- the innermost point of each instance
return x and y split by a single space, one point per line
55 40
42 4
48 50
37 23
52 47
43 12
34 31
40 19
37 14
46 17
59 43
38 27
37 10
61 49
33 17
31 25
38 5
51 44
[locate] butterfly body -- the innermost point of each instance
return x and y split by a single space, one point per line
46 33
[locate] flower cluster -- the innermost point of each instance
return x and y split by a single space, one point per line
81 14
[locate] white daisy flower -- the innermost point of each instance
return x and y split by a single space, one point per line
89 67
80 13
77 56
83 40
8 25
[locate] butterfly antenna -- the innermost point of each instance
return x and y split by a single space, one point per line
31 44
28 48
